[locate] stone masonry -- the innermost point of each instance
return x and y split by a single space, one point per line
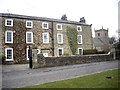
19 30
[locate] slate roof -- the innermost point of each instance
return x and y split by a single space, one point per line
8 15
100 41
101 30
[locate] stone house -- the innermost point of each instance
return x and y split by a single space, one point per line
49 35
101 40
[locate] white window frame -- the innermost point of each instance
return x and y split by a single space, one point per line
61 38
44 38
81 52
6 41
81 39
27 53
27 24
9 20
31 37
43 25
60 26
45 54
80 28
6 54
62 51
38 51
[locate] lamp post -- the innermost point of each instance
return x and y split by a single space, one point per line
30 57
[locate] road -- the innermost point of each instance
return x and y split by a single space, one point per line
28 77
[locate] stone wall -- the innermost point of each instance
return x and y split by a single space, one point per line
60 61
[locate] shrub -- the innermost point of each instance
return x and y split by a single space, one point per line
72 39
66 54
89 51
2 59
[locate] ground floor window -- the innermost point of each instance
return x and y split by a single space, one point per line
60 51
80 51
9 54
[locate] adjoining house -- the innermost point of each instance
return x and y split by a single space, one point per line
101 40
49 35
116 49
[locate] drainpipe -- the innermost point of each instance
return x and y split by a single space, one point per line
52 38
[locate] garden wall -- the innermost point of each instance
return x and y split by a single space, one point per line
60 61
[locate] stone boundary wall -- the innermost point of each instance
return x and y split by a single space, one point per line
70 60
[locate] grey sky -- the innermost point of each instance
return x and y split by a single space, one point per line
97 12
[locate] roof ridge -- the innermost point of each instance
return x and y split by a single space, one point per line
40 18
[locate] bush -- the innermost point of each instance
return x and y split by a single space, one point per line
89 51
2 59
66 54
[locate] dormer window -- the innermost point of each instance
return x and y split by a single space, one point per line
45 25
9 22
29 24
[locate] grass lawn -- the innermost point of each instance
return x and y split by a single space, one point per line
98 80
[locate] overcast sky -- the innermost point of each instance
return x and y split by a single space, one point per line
96 12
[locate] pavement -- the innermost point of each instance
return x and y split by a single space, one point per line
15 67
15 76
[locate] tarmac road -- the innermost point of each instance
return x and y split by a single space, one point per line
21 76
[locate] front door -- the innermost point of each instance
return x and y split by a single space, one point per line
60 52
80 51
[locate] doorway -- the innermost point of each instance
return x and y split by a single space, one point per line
80 51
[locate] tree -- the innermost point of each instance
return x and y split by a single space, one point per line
112 40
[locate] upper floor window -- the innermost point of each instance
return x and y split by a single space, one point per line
60 38
29 24
79 39
59 26
9 22
79 28
105 34
9 54
9 37
98 34
45 37
45 25
29 37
